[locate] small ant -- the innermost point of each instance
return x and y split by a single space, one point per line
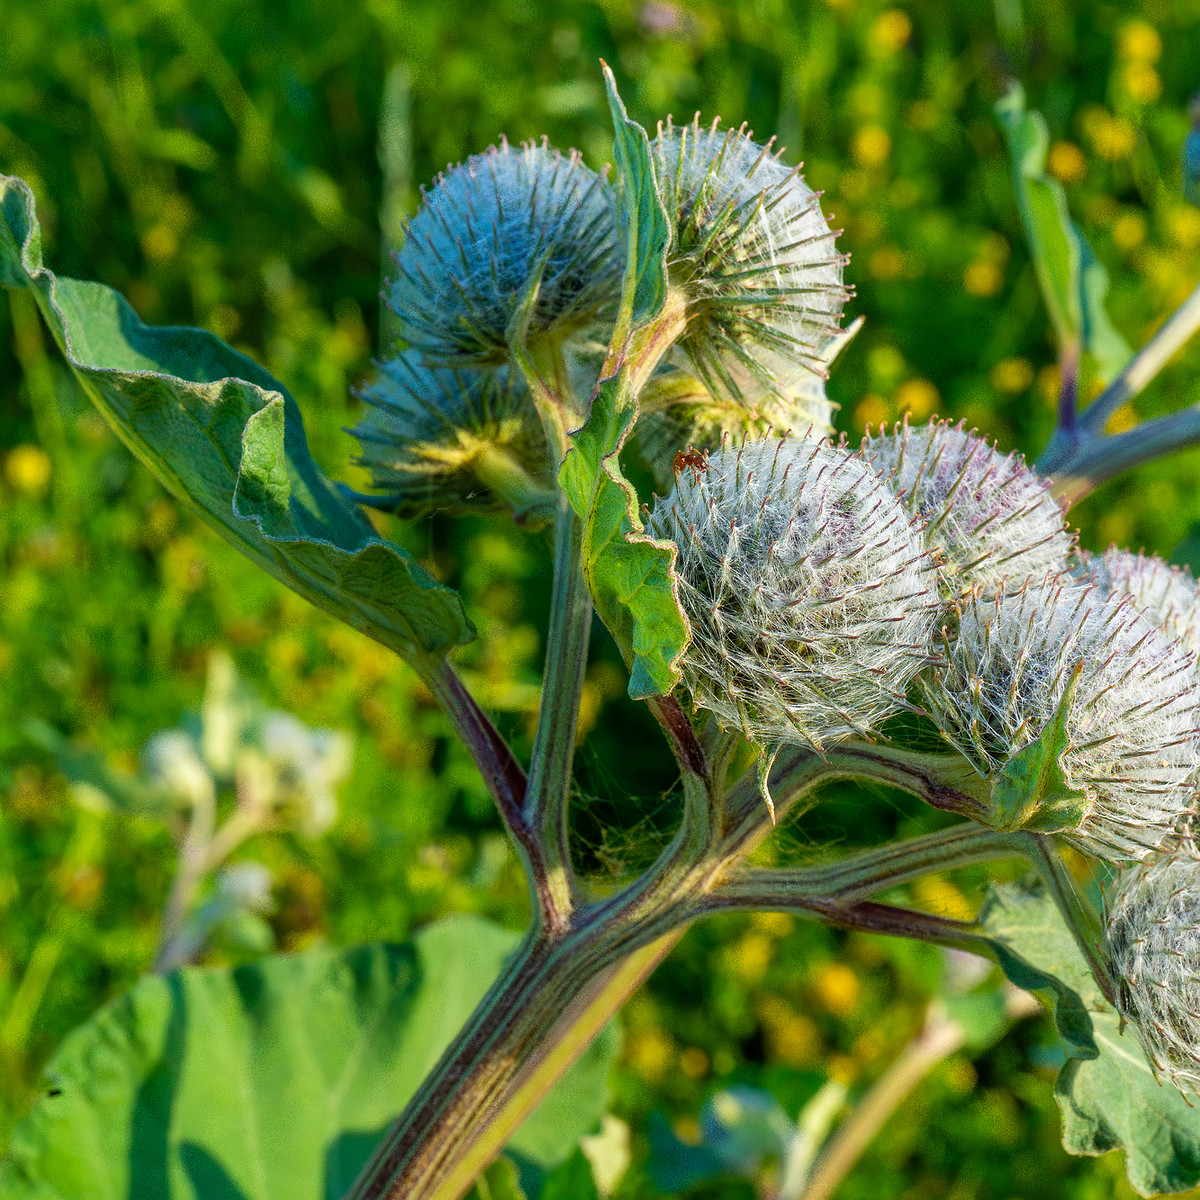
691 457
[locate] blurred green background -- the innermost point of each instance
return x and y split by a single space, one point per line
220 164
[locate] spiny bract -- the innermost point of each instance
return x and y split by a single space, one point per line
986 516
811 600
1132 730
437 438
753 257
1167 595
1153 917
481 234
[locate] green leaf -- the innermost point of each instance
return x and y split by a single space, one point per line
501 1181
631 576
1032 791
1115 1102
1106 1090
643 216
572 1181
227 438
273 1080
1074 283
1037 952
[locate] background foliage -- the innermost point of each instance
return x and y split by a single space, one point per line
220 164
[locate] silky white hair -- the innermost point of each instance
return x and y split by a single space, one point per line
1168 595
1134 725
754 257
987 518
1153 942
811 599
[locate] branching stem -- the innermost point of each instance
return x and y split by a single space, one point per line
1080 456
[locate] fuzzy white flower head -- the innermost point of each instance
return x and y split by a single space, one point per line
1153 944
753 257
439 438
483 232
1133 743
987 517
811 600
1169 596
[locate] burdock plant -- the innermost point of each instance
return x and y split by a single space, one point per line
793 610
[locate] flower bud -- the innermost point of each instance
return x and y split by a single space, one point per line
1167 595
437 438
1153 944
753 257
810 598
986 516
1130 743
484 232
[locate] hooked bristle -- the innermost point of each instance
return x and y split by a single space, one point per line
754 257
1167 595
443 439
1133 727
988 519
1153 945
811 600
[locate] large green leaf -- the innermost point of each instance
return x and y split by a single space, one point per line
274 1080
631 576
227 438
1074 283
1106 1090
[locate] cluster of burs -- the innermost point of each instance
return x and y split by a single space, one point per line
828 587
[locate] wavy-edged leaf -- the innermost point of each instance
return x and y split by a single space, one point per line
631 576
272 1080
227 438
1106 1090
1036 951
1074 283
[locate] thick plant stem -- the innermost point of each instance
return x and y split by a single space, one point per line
1079 457
545 804
1080 916
546 1007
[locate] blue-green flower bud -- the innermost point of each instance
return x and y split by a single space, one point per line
487 232
445 439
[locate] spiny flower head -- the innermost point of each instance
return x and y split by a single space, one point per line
1133 726
753 256
1169 596
483 232
986 516
1153 943
810 597
440 438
